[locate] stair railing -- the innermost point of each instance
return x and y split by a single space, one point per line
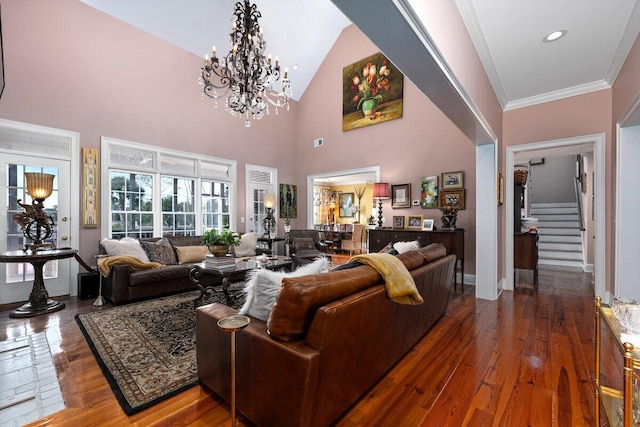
577 185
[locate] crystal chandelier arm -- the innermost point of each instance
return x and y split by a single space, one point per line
245 76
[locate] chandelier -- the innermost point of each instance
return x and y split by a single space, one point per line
245 76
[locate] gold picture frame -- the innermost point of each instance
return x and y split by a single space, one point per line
90 196
414 222
454 198
372 92
500 189
452 180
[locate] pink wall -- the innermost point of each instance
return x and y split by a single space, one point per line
626 88
448 31
71 67
77 69
421 143
579 115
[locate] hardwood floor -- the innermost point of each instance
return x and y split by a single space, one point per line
524 360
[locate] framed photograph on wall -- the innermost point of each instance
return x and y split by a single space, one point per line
452 180
401 196
414 222
427 225
398 222
453 198
429 192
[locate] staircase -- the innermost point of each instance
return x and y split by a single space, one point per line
560 242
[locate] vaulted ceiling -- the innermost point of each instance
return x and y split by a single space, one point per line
508 34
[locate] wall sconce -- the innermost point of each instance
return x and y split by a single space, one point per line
269 221
36 225
380 191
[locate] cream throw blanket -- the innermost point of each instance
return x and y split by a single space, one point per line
400 285
105 264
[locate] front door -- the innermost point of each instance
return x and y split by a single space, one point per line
16 279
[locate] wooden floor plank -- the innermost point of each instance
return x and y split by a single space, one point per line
525 359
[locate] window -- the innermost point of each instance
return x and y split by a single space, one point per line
153 191
131 204
178 206
215 205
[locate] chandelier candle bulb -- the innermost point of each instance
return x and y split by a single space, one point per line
244 76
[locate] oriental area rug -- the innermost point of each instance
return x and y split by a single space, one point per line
147 350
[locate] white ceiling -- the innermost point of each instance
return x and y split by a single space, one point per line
524 70
507 34
299 32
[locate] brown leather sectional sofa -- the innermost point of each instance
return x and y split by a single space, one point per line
329 338
124 285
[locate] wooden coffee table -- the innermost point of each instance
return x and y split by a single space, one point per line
243 265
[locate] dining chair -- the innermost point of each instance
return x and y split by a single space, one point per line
355 243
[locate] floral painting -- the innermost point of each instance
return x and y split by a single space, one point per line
371 92
429 193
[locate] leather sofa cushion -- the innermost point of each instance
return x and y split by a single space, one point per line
300 297
411 259
184 240
433 252
155 275
302 243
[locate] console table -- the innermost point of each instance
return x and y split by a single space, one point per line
452 240
39 301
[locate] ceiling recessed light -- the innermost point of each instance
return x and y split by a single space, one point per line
554 35
295 67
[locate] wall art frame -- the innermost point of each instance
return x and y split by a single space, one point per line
90 181
429 192
346 205
500 189
401 196
372 92
452 180
288 201
453 198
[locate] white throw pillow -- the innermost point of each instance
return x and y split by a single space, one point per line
263 286
247 246
125 246
403 247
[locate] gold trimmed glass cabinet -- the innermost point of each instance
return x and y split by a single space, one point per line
609 398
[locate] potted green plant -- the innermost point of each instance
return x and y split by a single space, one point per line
219 243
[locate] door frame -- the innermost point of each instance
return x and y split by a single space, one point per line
599 146
311 178
248 210
73 157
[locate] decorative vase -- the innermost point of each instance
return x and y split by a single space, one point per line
219 250
369 106
449 222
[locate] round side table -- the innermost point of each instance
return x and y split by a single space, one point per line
39 301
233 324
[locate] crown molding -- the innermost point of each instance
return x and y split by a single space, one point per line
558 94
